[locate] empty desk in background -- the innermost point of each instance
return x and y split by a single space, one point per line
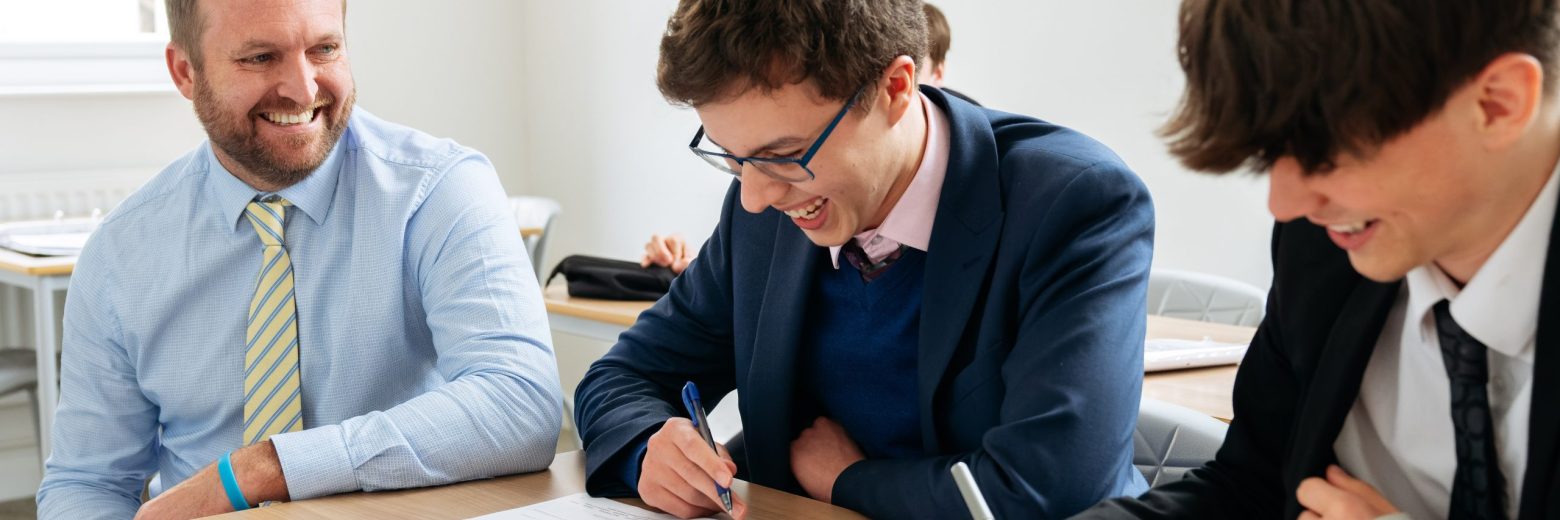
565 477
45 277
1206 390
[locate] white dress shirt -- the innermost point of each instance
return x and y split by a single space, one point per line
1398 436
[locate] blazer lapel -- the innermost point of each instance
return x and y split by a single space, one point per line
1543 423
1336 381
959 256
772 376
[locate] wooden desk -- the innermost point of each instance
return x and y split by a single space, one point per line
45 276
565 477
1206 390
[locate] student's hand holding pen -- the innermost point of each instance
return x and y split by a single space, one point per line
680 471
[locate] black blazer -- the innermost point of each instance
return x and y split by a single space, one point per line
1031 335
1301 377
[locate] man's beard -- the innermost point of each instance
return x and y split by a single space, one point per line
238 138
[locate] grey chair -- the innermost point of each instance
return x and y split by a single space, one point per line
19 373
1204 297
536 212
1171 440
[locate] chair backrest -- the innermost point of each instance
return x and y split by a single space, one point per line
536 212
1204 297
1171 440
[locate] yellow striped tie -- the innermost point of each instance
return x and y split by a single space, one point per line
272 400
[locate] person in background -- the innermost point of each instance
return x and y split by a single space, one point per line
1409 362
939 38
899 281
319 299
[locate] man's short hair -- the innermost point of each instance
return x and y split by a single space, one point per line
938 36
185 27
1317 78
717 49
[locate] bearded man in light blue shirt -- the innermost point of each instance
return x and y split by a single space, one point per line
320 300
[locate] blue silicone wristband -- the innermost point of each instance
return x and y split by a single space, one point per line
230 483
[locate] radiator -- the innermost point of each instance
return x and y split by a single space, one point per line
32 196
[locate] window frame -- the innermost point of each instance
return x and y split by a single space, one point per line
132 63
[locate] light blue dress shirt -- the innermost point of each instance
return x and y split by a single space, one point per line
425 353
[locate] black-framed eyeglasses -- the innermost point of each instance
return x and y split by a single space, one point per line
786 169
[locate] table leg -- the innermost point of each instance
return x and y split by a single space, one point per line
11 317
44 292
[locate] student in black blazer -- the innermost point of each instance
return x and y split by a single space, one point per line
1410 360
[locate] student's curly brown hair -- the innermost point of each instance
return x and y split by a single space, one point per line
717 49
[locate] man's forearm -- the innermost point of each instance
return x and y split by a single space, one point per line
259 473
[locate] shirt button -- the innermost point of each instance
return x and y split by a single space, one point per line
876 240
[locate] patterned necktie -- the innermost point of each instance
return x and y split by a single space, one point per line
1479 489
863 263
272 403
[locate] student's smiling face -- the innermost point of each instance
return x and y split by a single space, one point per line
856 169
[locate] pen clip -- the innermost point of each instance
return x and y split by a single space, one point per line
690 397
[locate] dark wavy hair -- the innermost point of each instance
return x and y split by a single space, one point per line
1314 79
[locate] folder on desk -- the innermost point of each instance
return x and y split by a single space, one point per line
1175 354
62 237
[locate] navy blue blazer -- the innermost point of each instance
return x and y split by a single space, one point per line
1031 337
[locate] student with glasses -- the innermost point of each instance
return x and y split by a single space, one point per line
899 281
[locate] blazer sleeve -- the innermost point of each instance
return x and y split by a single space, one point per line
631 391
1244 479
1072 380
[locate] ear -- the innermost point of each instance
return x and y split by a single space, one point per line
181 70
1509 92
897 88
937 74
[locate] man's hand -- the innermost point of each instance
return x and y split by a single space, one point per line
820 454
670 251
679 473
259 475
1341 496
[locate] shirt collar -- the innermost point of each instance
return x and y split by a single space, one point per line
910 221
1499 306
313 196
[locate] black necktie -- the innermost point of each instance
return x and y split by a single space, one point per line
1479 490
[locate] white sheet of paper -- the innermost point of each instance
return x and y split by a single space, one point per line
1174 354
578 506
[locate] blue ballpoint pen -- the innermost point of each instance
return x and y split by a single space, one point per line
690 397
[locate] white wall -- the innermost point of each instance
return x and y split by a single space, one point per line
600 138
1108 69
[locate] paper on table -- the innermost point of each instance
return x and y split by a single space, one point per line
1172 354
578 506
59 237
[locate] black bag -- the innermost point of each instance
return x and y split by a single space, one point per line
608 279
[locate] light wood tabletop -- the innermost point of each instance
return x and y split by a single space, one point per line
621 313
1206 390
36 265
565 477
